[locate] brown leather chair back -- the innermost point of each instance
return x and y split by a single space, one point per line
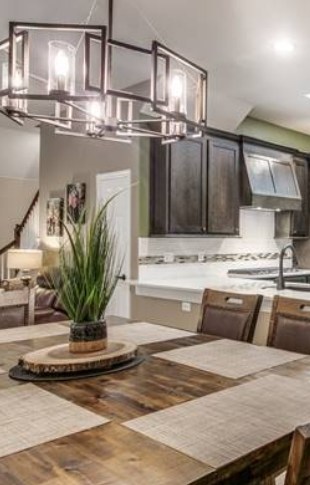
44 298
298 469
289 327
229 315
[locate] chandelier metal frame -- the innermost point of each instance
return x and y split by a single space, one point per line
69 110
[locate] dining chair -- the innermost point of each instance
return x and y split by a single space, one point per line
298 468
289 327
229 315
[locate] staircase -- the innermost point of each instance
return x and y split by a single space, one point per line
25 235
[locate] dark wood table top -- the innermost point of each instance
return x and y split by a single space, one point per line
115 455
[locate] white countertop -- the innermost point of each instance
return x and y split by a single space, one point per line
190 288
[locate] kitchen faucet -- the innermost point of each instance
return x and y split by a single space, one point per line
280 279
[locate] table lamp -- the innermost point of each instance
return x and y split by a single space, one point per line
25 260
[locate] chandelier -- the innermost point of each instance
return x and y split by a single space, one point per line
83 82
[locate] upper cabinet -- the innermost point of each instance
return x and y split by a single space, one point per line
187 184
178 185
198 186
195 187
300 219
223 187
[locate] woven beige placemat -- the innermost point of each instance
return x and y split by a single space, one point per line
34 331
229 358
30 416
224 426
141 333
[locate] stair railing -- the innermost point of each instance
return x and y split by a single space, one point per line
31 217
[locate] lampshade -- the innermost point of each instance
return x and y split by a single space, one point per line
24 259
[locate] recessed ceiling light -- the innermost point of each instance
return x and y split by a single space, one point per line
283 46
307 95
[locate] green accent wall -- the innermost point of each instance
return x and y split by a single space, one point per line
274 134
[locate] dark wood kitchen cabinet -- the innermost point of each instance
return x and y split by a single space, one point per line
178 184
187 183
195 187
223 187
300 219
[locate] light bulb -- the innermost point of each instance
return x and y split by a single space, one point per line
95 109
17 104
5 76
177 86
18 80
61 64
177 102
61 68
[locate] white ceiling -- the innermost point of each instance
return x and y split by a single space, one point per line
233 39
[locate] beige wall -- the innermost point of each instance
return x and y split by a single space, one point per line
67 159
164 312
169 312
19 175
15 197
19 151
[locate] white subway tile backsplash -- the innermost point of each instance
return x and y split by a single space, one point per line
257 224
159 272
256 237
168 257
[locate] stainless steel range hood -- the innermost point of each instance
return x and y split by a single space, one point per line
272 182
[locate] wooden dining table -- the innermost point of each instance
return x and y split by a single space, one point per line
114 454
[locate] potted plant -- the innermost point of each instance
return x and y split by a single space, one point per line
89 270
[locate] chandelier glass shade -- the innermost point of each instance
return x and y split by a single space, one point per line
84 83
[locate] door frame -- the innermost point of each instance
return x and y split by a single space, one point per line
105 176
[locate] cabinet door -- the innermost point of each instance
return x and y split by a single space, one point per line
187 188
300 219
159 190
223 187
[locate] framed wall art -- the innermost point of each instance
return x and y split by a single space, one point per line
76 202
54 217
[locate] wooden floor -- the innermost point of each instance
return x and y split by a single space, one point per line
115 455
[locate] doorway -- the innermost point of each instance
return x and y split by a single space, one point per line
119 215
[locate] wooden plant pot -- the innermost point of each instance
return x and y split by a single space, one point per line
87 337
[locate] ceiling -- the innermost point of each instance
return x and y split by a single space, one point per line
232 39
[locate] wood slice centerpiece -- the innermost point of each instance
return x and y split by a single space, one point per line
59 360
89 270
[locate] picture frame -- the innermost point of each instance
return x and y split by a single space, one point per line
75 202
54 216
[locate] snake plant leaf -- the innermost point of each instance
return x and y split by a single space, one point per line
89 266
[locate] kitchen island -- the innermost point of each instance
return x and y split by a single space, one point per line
177 298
